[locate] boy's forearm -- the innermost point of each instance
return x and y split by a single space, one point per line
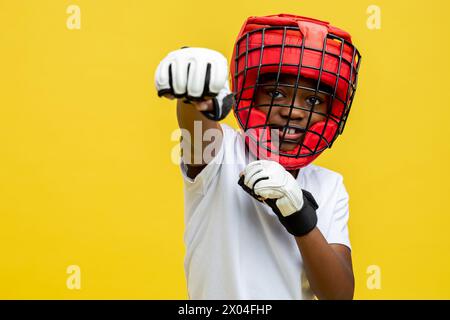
330 275
192 121
187 114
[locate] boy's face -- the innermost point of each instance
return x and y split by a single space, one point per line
305 101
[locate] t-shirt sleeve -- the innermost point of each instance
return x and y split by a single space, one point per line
203 180
339 221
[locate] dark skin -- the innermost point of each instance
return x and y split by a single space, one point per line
328 267
304 102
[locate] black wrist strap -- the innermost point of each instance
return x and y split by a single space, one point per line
301 222
220 111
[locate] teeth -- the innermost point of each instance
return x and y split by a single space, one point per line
290 131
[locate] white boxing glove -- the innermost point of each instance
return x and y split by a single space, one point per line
268 182
196 74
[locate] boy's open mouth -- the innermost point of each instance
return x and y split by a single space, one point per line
292 134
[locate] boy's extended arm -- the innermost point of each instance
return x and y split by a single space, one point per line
189 116
197 78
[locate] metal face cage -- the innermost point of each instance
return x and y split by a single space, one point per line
333 67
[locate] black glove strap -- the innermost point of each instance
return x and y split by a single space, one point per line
299 223
247 189
220 113
217 114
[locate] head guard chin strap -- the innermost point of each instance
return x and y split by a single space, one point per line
304 48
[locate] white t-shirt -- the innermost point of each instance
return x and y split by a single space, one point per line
236 248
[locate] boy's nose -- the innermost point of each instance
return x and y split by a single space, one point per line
296 114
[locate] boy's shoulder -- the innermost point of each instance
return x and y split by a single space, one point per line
322 173
322 182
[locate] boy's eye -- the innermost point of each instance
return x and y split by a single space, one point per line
275 94
313 101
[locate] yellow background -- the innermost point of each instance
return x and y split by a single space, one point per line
86 176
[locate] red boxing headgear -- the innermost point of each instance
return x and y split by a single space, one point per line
303 47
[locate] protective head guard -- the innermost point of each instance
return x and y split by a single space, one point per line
304 48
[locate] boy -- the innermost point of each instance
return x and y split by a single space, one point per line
262 222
